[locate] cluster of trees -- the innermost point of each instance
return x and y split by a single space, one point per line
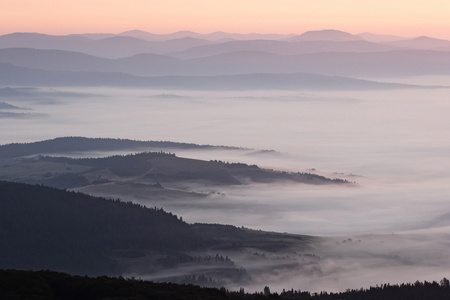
202 280
234 165
405 291
174 260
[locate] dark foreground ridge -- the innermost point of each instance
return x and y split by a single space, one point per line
52 285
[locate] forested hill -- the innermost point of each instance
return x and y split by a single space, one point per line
152 168
47 228
76 144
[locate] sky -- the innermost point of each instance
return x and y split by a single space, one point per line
408 18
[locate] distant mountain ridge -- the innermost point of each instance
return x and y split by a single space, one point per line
136 42
387 63
11 75
115 46
214 36
179 60
325 35
422 42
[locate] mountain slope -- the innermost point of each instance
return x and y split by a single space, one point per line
45 228
51 229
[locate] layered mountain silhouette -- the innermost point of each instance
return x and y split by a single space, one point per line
218 60
389 63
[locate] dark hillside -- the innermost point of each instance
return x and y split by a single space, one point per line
147 167
43 228
47 228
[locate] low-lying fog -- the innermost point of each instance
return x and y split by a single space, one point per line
395 144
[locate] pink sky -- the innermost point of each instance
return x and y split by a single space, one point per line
397 17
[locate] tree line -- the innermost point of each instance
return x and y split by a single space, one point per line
41 285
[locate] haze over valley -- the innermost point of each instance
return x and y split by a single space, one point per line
324 153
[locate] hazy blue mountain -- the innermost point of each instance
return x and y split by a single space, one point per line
214 36
380 38
144 35
192 45
423 42
325 35
390 63
61 60
109 47
27 37
95 36
54 60
149 64
44 41
19 76
123 46
282 47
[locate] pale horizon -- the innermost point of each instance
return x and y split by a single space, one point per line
401 18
